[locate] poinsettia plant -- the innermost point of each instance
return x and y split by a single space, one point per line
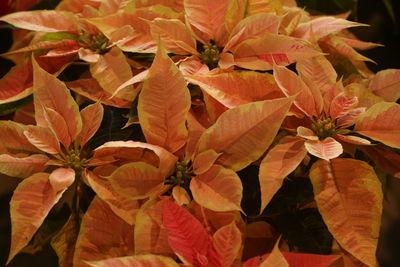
195 133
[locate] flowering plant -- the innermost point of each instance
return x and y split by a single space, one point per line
195 133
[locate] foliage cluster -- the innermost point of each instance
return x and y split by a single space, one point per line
195 133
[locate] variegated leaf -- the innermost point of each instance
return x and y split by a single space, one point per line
111 71
243 143
92 116
272 49
218 189
386 84
137 260
150 235
349 197
280 161
102 235
238 87
227 242
31 202
381 122
136 180
22 167
43 20
164 104
51 93
326 149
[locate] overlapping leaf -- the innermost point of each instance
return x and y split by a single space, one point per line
244 143
349 198
280 161
164 103
102 235
218 189
381 122
186 236
51 93
29 206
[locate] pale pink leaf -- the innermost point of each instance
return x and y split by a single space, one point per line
31 202
43 20
22 167
102 235
381 122
92 116
326 149
186 235
243 143
218 189
350 118
279 162
164 103
88 55
61 178
306 133
341 105
386 84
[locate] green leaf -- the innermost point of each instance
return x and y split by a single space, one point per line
58 36
11 107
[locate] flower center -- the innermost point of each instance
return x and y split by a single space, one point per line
182 175
324 128
210 55
96 42
73 160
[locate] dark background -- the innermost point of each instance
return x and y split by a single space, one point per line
384 29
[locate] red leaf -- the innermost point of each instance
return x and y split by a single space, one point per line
186 235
